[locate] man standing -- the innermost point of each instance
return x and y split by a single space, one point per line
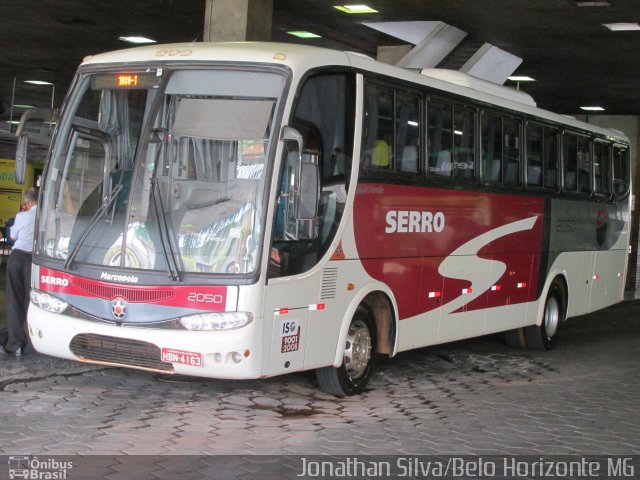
13 336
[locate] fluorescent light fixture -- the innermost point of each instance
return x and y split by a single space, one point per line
592 109
24 106
622 27
457 132
302 34
412 123
355 8
521 78
136 39
38 82
13 122
592 3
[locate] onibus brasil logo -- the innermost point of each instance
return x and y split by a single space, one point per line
32 468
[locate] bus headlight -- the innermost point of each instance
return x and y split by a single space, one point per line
217 321
48 302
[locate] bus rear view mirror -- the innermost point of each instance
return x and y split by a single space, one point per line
306 208
42 119
308 193
21 158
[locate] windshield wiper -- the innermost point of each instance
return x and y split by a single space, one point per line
91 225
163 229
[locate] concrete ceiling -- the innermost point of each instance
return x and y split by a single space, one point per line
575 60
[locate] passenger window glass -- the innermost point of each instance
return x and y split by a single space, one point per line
439 124
407 133
511 139
620 170
378 149
492 147
602 168
570 159
550 158
463 137
584 165
534 155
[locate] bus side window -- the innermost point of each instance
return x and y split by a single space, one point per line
407 119
620 170
378 145
440 128
570 161
584 165
464 142
602 168
534 155
551 167
511 151
491 147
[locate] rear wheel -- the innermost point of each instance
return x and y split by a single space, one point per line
544 337
352 376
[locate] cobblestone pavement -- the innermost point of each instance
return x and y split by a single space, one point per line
473 397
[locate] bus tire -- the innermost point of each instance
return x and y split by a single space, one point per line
544 337
358 362
516 338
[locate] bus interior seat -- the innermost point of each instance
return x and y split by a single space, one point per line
496 165
465 166
550 178
534 175
380 154
570 181
410 159
511 173
583 178
443 163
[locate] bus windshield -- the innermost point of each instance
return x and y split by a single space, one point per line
161 171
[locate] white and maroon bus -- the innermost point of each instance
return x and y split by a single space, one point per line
245 210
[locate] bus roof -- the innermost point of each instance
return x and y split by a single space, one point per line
301 58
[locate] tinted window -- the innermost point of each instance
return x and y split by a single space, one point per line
602 167
440 128
464 142
620 170
492 147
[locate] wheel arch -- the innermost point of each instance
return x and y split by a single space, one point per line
381 303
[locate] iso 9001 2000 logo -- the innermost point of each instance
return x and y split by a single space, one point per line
33 468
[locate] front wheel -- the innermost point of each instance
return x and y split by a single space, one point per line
352 376
544 337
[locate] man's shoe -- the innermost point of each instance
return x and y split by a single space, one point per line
19 352
4 350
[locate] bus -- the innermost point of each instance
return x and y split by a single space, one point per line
245 210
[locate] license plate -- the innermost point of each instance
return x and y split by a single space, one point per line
182 357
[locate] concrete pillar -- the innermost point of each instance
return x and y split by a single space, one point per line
238 20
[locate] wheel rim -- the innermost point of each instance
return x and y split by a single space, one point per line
552 317
358 349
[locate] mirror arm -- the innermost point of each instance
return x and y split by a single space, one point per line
293 135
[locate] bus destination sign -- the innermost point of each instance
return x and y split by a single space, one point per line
125 80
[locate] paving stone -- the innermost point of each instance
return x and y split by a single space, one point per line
473 397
